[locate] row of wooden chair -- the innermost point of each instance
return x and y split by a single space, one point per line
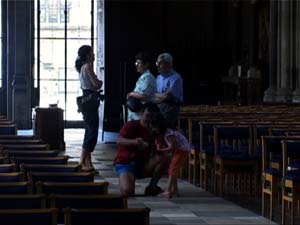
51 191
281 175
42 187
132 216
232 171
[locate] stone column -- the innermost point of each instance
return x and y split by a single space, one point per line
270 93
284 57
296 94
11 17
3 89
20 61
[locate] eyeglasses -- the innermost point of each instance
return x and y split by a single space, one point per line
158 63
138 63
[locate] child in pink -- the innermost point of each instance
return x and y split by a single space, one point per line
173 141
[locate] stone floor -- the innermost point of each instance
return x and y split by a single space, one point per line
194 206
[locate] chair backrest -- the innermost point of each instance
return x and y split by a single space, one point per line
28 217
4 159
206 135
38 154
87 188
17 137
131 216
50 168
272 148
86 201
33 147
59 160
22 201
234 135
11 177
7 168
25 141
61 177
8 129
290 152
16 188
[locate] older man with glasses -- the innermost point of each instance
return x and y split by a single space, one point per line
169 88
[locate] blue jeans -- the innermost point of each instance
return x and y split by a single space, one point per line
91 119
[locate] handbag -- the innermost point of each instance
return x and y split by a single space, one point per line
87 103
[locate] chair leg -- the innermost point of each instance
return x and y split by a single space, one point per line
221 186
283 210
194 174
293 212
189 173
262 203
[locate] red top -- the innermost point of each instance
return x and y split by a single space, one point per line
126 154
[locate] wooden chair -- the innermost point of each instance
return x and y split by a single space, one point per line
133 216
272 171
4 159
49 168
33 147
193 164
59 160
28 217
71 188
206 155
61 177
86 201
290 180
7 168
8 129
234 166
17 137
20 141
11 177
22 201
38 154
15 188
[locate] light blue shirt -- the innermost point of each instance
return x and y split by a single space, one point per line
171 82
145 85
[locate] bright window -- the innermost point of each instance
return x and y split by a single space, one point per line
62 26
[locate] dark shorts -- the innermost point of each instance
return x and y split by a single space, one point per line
137 169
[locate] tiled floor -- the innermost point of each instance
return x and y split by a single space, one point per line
194 207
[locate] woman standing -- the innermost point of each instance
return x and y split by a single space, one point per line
145 87
89 85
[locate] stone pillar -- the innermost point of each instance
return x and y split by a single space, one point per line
270 93
10 19
20 61
284 57
296 94
3 89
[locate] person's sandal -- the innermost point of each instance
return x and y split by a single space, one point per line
168 194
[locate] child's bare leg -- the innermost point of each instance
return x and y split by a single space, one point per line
169 183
